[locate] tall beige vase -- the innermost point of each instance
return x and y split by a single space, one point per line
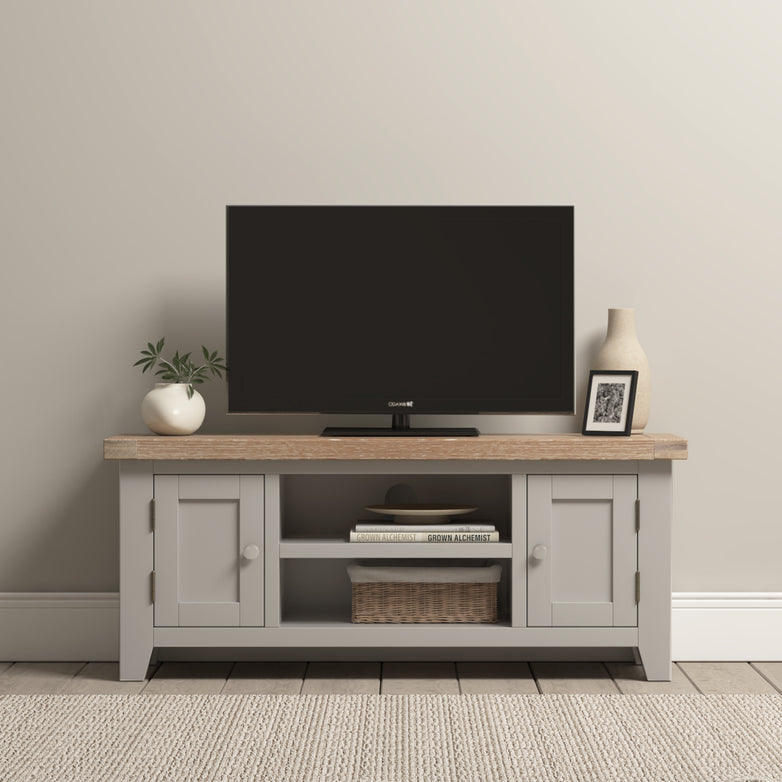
622 350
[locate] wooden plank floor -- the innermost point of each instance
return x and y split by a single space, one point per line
390 678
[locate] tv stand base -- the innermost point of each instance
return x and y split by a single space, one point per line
400 427
381 431
240 542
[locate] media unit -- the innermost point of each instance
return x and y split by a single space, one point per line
241 541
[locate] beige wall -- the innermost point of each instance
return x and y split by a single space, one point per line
127 128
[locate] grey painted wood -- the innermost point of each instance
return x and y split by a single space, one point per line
328 548
266 678
509 678
539 510
630 678
315 591
136 546
354 678
581 551
582 487
101 678
772 671
573 678
200 488
251 533
586 577
718 678
324 634
419 678
272 522
166 550
583 613
207 531
209 614
625 546
188 679
518 563
203 524
654 564
48 678
331 629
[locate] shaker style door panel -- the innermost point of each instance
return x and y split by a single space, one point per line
208 550
582 550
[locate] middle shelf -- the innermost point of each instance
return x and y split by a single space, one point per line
330 548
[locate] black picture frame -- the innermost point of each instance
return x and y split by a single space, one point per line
610 402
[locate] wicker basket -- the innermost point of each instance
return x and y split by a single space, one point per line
424 594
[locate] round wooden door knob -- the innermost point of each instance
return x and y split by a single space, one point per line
539 552
251 552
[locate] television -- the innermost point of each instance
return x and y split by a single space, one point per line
400 310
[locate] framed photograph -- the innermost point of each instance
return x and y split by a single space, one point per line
610 402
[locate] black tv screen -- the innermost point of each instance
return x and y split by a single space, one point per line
388 309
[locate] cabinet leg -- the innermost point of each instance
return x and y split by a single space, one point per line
656 663
136 563
654 566
133 665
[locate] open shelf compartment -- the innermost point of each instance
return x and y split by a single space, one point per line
322 509
318 591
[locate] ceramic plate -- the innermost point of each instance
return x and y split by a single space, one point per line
421 512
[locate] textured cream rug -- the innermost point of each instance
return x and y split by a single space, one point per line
390 738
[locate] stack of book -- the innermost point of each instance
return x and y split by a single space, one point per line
392 532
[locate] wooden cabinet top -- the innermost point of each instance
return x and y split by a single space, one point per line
487 447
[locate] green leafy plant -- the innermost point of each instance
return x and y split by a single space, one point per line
181 369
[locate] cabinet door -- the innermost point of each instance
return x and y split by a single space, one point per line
582 550
208 550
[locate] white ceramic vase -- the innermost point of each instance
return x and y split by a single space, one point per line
622 350
166 409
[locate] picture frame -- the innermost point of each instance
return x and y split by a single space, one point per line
610 402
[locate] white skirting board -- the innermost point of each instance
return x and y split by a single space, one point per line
84 626
727 626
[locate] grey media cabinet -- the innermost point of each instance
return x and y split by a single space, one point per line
241 541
